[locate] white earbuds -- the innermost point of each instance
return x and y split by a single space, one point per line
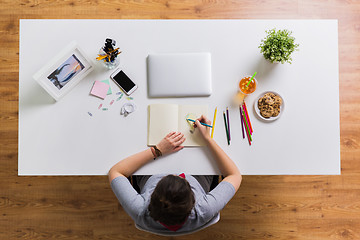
127 108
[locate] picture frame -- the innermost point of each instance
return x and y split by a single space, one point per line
63 72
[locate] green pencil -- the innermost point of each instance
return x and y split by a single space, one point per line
226 128
247 126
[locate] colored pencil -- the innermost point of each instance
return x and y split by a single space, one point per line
192 120
242 122
248 136
212 130
248 118
247 128
228 121
226 129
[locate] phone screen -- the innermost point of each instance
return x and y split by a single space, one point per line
124 81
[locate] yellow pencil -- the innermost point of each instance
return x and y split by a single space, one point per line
212 130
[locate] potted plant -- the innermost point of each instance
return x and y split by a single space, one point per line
278 46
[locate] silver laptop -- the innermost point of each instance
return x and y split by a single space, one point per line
179 74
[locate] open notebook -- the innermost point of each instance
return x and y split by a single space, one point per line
164 118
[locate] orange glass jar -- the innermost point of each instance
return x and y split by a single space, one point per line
246 90
243 90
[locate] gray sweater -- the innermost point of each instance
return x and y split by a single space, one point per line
207 205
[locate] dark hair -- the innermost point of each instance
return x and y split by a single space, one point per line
172 200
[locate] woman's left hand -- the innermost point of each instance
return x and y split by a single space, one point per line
171 143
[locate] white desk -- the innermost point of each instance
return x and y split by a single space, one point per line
62 139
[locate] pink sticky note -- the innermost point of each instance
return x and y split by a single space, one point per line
100 89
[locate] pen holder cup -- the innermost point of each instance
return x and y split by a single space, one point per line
109 64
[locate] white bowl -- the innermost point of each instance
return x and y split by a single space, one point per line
270 119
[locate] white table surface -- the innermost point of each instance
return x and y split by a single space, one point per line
60 138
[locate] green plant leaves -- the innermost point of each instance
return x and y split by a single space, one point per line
278 46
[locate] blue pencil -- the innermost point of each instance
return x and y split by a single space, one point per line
191 120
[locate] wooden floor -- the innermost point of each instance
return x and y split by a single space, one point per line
265 207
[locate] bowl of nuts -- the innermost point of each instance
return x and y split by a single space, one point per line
269 106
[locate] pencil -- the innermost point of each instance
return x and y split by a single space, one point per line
228 122
248 118
226 129
192 120
212 130
242 122
247 128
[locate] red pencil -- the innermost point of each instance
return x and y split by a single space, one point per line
246 128
247 115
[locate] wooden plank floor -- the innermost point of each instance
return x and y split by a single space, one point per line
266 207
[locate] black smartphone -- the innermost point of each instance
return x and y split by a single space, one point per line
123 81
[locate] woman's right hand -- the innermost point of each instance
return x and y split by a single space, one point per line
204 130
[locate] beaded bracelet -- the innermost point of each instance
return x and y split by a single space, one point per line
156 152
153 152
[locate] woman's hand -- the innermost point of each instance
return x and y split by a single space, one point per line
204 130
171 143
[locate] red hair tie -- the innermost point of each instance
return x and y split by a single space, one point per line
182 175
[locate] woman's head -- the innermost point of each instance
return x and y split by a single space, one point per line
172 200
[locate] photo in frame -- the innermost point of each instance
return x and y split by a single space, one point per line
64 71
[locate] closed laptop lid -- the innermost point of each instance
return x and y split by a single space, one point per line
179 74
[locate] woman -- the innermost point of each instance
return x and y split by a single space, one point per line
169 203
